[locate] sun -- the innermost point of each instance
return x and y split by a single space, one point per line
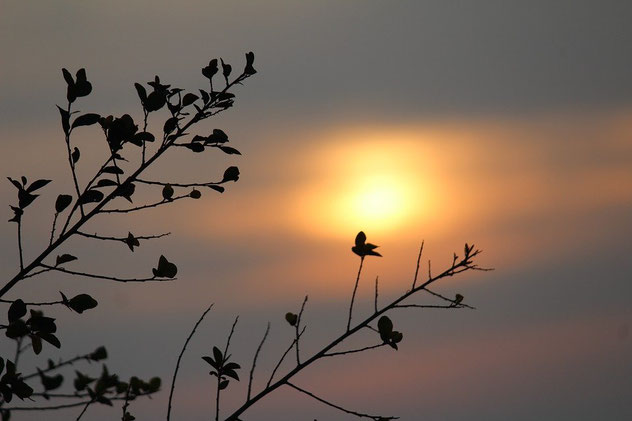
374 185
378 202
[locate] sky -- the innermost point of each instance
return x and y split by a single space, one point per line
506 124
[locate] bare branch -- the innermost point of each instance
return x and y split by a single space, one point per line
340 408
152 205
122 239
421 249
110 278
282 358
296 327
375 301
186 343
254 361
352 351
355 289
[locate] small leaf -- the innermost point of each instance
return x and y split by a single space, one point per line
291 318
231 174
82 302
111 169
36 185
142 93
65 120
229 150
50 338
131 241
144 137
64 258
218 136
385 328
250 58
99 354
189 99
223 384
91 196
195 194
76 154
195 147
86 120
219 358
36 343
170 125
167 192
216 188
17 310
104 182
165 269
51 382
226 69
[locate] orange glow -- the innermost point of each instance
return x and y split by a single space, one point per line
378 181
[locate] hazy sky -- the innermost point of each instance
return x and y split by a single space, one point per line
503 123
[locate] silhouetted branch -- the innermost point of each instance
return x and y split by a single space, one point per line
355 288
34 304
287 351
376 294
456 267
186 343
65 405
161 183
219 377
352 351
52 230
254 361
58 365
421 249
340 408
296 327
107 277
20 252
122 239
152 205
447 299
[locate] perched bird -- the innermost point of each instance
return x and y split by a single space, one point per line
362 248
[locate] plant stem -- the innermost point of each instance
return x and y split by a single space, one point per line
355 288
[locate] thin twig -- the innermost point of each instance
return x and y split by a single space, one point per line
355 288
63 406
375 301
186 343
52 230
152 205
296 327
352 351
35 304
289 348
219 377
110 278
59 365
20 243
447 299
340 408
421 249
230 335
122 239
85 408
254 361
162 183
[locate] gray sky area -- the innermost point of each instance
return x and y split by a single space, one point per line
503 123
